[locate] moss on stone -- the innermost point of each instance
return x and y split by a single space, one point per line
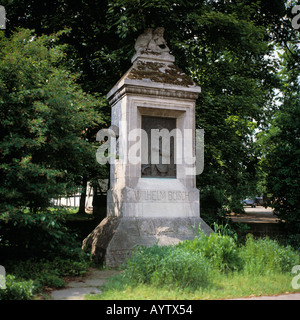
159 72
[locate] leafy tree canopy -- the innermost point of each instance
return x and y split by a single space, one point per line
225 46
44 117
280 144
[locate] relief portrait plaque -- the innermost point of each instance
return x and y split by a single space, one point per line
165 147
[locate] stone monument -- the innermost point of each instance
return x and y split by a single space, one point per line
153 196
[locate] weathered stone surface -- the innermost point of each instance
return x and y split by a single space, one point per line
113 240
154 198
159 72
152 41
97 241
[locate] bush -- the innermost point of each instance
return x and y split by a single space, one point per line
188 264
50 280
194 263
32 268
40 234
143 262
43 272
166 265
292 240
69 267
17 290
181 269
261 256
220 250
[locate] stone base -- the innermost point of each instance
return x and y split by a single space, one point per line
114 238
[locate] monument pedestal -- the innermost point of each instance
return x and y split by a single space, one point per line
153 196
115 237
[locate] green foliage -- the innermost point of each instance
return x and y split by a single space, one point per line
50 280
195 263
220 250
264 256
166 266
39 234
181 269
225 286
293 240
29 277
34 268
280 144
44 117
17 290
143 263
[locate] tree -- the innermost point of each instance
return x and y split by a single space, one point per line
91 53
222 45
44 118
281 144
279 141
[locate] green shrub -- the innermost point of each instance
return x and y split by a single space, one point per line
166 265
188 264
181 269
293 240
143 262
45 272
50 280
193 263
40 234
17 290
220 250
69 267
261 256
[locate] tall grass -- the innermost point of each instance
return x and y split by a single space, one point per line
170 266
198 263
265 256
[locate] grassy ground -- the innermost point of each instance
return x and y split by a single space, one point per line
224 286
214 267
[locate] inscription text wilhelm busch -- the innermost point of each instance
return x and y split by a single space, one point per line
158 195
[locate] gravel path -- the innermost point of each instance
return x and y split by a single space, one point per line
88 284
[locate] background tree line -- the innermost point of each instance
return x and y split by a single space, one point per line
53 85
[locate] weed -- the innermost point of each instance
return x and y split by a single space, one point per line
261 256
194 264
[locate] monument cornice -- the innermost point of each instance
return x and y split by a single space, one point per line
158 90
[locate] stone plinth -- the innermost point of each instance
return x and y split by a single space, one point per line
114 238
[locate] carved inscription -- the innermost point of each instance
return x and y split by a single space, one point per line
159 195
179 195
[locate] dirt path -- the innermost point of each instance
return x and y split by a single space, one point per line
288 296
258 214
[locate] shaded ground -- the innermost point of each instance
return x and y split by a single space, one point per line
255 215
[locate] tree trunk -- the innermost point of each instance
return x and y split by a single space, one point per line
83 196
